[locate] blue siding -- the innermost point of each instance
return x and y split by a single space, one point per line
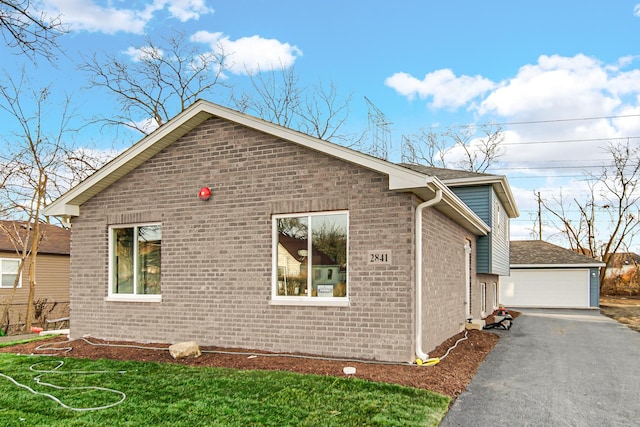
479 201
594 287
492 250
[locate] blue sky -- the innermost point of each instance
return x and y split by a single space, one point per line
424 64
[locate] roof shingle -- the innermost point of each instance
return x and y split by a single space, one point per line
55 240
537 252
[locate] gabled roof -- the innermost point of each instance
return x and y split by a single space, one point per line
537 253
460 178
55 240
400 178
293 246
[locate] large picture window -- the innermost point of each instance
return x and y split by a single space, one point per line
135 260
310 260
9 272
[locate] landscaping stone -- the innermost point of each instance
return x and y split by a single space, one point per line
183 350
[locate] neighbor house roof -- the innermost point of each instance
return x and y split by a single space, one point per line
294 246
461 178
55 240
537 253
400 178
621 259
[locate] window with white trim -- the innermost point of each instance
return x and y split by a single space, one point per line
483 299
495 295
310 256
9 271
135 260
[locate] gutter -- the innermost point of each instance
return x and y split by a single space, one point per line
420 354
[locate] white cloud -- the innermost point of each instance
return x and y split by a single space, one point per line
186 10
636 10
249 55
554 87
446 90
92 16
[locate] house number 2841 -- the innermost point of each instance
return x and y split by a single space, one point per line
379 257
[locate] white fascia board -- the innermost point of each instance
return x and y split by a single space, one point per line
450 205
400 178
69 203
499 183
530 266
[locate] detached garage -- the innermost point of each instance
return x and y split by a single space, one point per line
547 276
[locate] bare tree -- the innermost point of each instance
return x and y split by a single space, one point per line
35 165
472 148
607 219
28 30
278 97
155 81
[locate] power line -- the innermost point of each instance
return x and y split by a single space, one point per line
563 141
531 122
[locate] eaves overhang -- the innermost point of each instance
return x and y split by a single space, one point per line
400 178
532 266
500 185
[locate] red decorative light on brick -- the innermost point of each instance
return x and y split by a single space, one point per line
204 193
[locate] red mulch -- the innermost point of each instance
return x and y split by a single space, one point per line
449 377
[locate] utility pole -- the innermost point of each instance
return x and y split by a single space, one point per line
539 217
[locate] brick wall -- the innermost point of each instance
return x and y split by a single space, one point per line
216 255
444 278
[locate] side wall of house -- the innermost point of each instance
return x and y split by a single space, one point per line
52 284
217 255
444 278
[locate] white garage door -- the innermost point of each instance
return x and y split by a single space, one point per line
545 288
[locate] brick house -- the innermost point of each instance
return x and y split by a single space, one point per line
152 261
52 271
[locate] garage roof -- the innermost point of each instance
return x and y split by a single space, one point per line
538 253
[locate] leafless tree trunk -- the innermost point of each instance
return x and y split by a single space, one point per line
471 148
278 97
608 219
36 164
156 81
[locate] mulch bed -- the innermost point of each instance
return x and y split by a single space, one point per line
449 377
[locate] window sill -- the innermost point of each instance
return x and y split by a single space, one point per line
134 298
311 302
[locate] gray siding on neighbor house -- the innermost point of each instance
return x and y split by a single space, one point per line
217 255
594 287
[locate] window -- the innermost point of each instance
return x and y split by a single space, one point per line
483 300
9 271
495 295
310 257
135 262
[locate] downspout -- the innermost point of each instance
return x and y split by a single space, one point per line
421 355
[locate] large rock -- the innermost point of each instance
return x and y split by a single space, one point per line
182 350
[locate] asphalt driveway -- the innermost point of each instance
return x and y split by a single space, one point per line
556 368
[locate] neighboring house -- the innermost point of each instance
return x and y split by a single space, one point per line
621 263
545 275
392 271
52 270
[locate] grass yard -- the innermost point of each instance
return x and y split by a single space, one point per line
175 395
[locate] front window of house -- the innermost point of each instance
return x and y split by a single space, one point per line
9 270
135 260
310 256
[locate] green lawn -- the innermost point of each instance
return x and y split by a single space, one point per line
170 394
